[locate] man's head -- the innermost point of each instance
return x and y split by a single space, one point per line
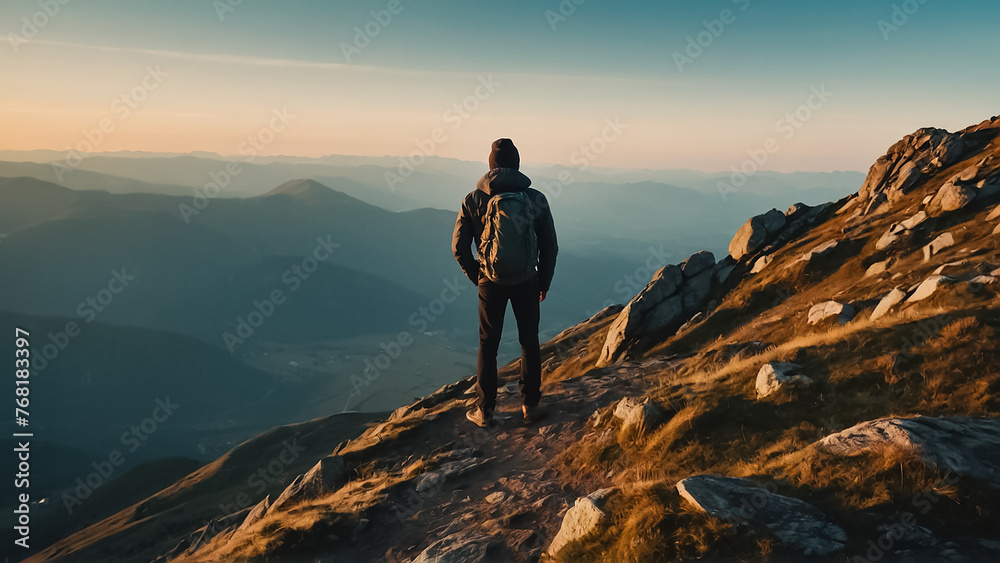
504 154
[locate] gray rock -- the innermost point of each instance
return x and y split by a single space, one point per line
889 238
893 298
584 518
654 308
328 475
722 272
906 178
462 547
625 407
697 263
914 221
774 376
878 268
951 267
798 525
982 280
896 230
748 239
951 197
643 419
906 164
820 250
963 445
928 287
843 311
256 514
756 232
942 242
761 263
773 221
968 174
696 291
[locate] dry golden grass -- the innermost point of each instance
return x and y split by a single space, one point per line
866 370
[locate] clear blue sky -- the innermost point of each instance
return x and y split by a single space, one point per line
556 87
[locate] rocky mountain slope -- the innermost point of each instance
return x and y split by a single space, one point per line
828 391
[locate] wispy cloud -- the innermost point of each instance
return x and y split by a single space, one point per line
222 58
247 60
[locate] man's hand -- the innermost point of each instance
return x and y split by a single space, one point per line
541 296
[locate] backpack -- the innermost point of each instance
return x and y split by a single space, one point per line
508 248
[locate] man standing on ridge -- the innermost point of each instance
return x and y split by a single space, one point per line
511 226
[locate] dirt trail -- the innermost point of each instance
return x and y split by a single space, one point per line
498 483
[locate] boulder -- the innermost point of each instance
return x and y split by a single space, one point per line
697 263
654 308
463 547
665 282
951 197
878 268
942 242
996 230
950 150
761 263
893 298
639 416
625 407
906 178
776 375
963 445
968 174
798 525
914 221
843 311
928 287
951 267
994 215
696 291
748 239
756 232
773 221
328 475
256 514
633 322
722 271
643 419
584 518
820 250
897 229
890 237
980 281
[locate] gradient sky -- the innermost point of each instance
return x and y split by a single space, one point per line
557 87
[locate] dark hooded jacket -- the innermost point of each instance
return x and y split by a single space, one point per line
469 227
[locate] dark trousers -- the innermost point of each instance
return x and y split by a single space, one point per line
493 300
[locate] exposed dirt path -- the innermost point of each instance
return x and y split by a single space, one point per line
499 485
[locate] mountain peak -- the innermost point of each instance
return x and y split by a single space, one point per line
311 192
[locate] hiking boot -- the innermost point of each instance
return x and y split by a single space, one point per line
532 414
479 417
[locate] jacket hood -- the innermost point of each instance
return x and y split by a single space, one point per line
500 180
